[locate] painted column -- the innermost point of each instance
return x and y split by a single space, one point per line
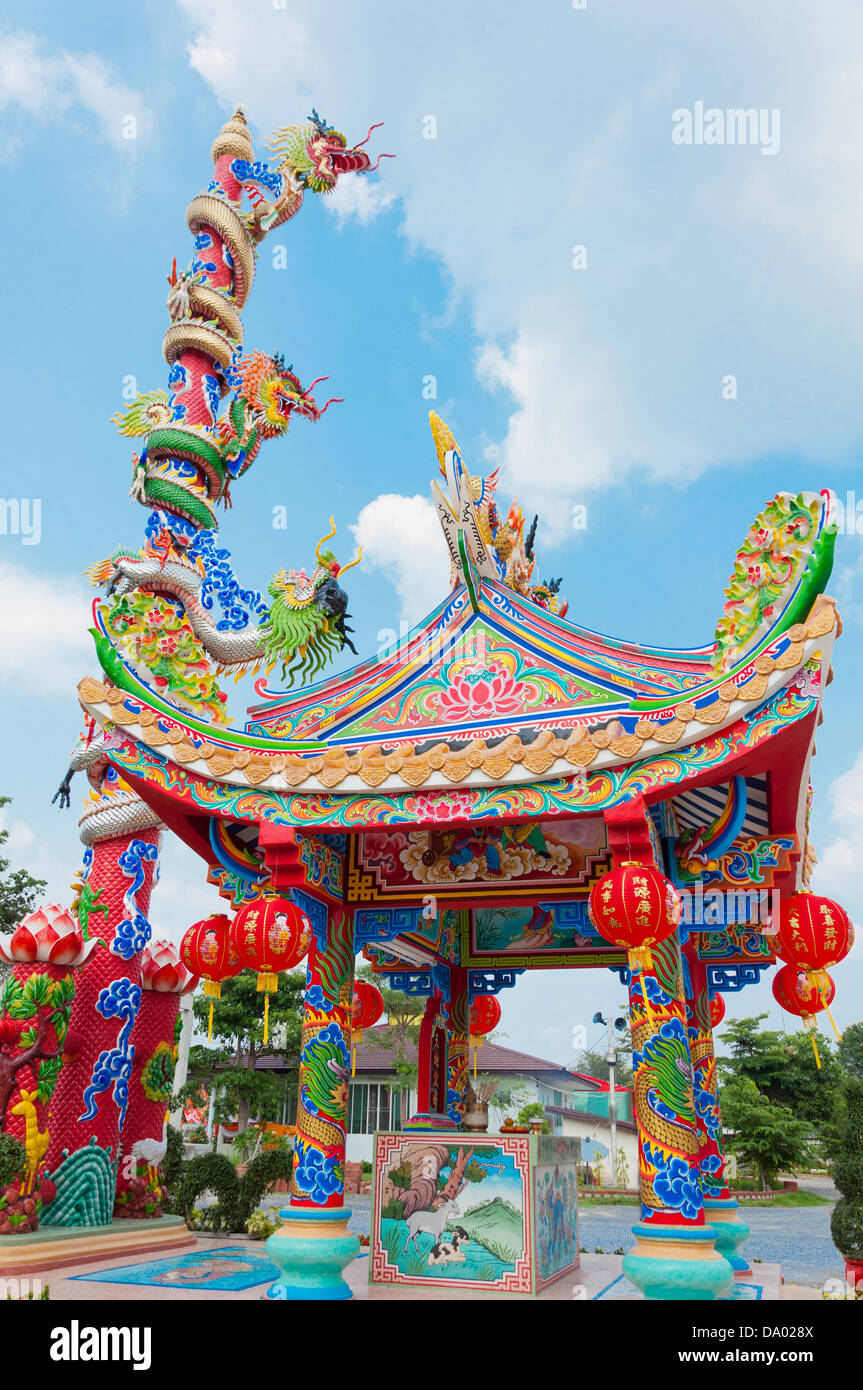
458 1029
91 1101
314 1244
674 1256
720 1208
432 1070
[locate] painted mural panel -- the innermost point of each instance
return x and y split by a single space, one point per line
451 1211
555 1188
528 931
548 856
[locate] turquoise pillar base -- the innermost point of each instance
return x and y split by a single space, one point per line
731 1230
311 1249
677 1262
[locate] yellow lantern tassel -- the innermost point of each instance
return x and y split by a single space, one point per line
266 1018
832 1023
637 967
821 981
815 1050
212 990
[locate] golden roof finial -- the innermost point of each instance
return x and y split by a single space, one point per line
444 439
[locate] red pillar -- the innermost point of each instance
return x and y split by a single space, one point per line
91 1100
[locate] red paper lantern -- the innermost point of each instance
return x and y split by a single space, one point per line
814 933
717 1010
206 951
804 996
485 1012
796 994
635 906
269 935
367 1007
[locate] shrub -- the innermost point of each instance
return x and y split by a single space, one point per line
846 1223
13 1160
259 1226
237 1197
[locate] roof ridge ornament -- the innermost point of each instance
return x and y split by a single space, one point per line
481 546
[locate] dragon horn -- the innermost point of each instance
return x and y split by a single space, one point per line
377 125
327 537
355 561
334 400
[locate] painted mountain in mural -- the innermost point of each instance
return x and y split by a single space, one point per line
496 1225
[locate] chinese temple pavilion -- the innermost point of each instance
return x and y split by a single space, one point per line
445 807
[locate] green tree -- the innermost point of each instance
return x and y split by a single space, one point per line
764 1135
18 889
784 1069
593 1063
850 1050
238 1027
404 1014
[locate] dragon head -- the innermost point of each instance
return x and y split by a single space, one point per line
316 154
273 392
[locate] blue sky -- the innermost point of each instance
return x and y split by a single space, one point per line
601 385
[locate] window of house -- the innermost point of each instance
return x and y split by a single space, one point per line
371 1106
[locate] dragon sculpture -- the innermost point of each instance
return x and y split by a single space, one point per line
174 613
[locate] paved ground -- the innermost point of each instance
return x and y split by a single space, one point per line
599 1278
797 1238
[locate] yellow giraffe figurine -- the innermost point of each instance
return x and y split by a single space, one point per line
35 1139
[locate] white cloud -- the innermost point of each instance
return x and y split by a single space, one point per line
182 896
838 872
44 645
402 537
45 85
701 262
359 199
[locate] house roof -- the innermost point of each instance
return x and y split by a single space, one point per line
504 1061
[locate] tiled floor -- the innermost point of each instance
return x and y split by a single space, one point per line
599 1278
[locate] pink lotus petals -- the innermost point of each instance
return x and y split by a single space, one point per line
481 695
50 935
163 971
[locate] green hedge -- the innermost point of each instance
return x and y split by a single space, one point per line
237 1197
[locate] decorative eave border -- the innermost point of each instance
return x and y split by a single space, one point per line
509 764
547 799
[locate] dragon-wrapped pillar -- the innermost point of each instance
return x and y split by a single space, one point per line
674 1256
314 1244
720 1208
